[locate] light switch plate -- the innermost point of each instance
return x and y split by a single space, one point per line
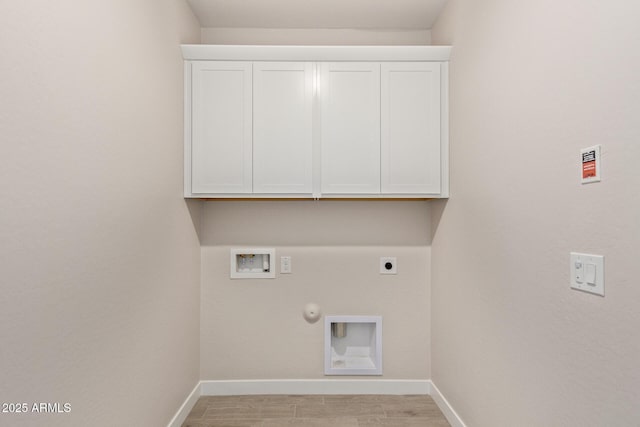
586 273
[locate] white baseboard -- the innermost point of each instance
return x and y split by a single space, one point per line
247 387
186 407
450 414
329 386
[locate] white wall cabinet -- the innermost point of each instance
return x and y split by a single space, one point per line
350 127
220 158
302 122
282 127
411 128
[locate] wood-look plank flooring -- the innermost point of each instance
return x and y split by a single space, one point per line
315 411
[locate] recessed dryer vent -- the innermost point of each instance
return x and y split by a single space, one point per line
353 345
253 263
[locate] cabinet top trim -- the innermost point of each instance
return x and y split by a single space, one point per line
314 53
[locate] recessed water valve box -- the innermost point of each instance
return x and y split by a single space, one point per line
253 263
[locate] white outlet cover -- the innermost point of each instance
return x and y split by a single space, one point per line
383 265
285 265
579 279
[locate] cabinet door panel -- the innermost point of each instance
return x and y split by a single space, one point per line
282 130
221 127
410 127
350 127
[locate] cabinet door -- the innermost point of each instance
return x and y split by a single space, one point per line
221 127
350 127
282 130
410 127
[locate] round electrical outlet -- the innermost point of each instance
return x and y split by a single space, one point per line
388 265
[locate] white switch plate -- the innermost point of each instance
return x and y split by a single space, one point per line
393 264
285 265
581 272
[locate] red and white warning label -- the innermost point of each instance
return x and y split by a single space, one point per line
590 164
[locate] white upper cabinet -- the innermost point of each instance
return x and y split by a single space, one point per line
350 127
410 126
220 155
316 121
282 128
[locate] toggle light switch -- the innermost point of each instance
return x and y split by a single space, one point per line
587 273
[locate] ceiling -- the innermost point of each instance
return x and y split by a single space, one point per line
332 14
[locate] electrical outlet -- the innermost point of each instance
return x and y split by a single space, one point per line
388 265
285 265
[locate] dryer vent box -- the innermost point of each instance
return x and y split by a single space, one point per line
253 263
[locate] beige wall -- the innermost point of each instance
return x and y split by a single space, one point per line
531 84
316 36
99 261
254 329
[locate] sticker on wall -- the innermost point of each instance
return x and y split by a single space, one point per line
590 164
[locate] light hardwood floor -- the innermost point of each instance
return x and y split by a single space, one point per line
315 411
